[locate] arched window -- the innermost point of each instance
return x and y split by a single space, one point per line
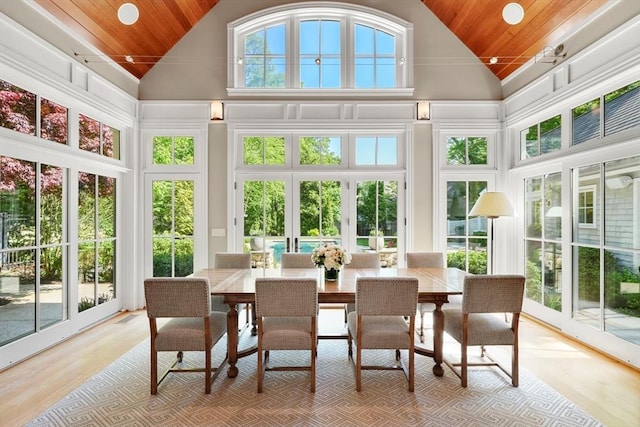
320 47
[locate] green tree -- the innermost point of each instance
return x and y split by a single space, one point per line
262 68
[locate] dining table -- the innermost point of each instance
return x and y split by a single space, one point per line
237 286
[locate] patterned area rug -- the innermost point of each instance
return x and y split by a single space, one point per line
119 396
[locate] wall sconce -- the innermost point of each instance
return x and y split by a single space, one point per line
423 110
217 110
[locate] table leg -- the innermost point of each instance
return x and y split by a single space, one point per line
438 334
254 320
232 340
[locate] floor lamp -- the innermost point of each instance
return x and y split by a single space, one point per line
492 204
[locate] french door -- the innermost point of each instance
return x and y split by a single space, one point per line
173 216
296 211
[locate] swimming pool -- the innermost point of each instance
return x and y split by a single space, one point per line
306 247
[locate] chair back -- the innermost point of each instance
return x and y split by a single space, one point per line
296 260
487 293
286 296
386 296
177 297
364 260
425 260
232 260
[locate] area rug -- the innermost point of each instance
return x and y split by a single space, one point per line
119 396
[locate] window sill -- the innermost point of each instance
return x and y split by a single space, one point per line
320 93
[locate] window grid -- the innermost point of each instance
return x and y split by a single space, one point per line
329 69
590 122
587 207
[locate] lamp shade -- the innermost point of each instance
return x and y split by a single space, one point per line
217 110
492 204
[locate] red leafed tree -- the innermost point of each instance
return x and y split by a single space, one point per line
17 108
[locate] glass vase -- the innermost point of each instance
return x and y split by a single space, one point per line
331 274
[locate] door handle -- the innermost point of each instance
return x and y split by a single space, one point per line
295 240
288 244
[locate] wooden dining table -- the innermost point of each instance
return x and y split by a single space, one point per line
237 286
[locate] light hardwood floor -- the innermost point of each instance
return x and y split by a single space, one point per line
605 388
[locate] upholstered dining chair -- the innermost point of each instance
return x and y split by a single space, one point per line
193 326
364 260
296 260
286 309
230 260
475 322
425 260
382 303
361 260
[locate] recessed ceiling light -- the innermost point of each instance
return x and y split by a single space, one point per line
493 60
513 13
129 59
128 13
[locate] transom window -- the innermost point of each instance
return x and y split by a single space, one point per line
263 150
320 49
470 150
376 150
173 150
264 51
541 138
98 138
340 150
320 45
320 150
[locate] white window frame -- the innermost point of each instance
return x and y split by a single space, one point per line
195 172
348 16
198 152
344 149
491 150
588 189
400 150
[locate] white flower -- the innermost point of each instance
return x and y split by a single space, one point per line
330 256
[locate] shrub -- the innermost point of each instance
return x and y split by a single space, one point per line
534 281
477 261
85 304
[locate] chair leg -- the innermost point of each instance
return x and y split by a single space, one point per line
313 370
154 372
411 370
514 365
358 369
260 370
422 312
463 366
207 371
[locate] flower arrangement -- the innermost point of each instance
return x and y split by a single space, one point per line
330 256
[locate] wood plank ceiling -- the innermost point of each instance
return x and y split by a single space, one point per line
477 23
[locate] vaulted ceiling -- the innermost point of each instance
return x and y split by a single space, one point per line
477 23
